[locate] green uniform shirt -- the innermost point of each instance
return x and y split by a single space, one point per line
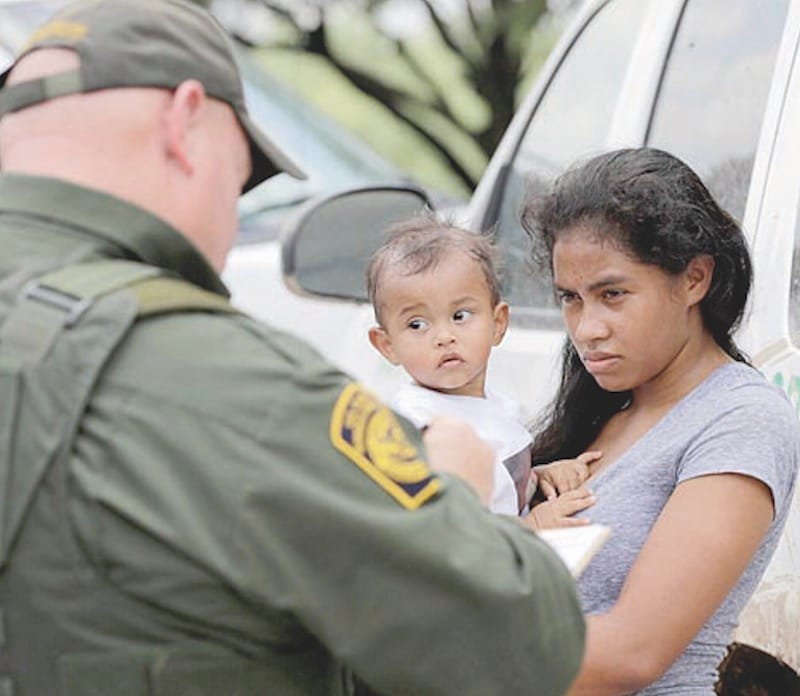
226 483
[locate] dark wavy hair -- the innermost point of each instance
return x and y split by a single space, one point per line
652 206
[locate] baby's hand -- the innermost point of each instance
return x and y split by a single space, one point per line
565 475
558 512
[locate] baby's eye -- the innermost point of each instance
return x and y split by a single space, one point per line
417 324
462 314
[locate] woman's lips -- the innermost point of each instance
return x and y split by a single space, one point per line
600 362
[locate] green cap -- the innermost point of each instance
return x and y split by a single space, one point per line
145 43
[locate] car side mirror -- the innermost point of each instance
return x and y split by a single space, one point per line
327 244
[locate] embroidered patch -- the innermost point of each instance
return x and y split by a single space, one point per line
367 432
58 30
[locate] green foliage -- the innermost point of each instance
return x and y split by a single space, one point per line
435 100
328 90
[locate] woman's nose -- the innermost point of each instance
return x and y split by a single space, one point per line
589 327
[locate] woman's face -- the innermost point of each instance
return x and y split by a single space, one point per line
631 323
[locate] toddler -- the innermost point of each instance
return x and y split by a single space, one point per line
435 291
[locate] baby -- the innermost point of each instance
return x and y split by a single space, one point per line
435 291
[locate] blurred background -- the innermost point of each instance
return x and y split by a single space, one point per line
365 92
429 85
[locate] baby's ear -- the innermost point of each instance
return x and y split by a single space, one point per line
382 343
500 315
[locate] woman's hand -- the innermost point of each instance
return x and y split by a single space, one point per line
556 478
453 447
558 512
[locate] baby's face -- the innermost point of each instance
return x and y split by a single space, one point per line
440 325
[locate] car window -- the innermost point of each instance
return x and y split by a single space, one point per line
331 157
714 90
571 120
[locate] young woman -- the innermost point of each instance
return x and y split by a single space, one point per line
700 453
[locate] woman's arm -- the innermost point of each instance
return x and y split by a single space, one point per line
702 542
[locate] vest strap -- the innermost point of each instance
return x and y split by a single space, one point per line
59 299
162 295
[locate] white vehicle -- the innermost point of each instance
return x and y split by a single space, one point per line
716 82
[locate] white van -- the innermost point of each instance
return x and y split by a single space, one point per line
716 82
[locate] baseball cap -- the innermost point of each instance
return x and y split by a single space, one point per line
145 43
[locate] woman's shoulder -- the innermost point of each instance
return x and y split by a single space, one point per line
744 424
740 401
738 386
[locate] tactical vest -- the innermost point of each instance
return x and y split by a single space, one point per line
55 603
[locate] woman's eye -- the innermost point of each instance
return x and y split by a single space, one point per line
613 294
565 297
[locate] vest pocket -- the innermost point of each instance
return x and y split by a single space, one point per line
94 674
179 673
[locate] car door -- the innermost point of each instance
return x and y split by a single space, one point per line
771 620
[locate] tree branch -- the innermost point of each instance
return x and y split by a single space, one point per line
438 101
445 34
475 25
282 12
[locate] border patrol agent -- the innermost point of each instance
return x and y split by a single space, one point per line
192 502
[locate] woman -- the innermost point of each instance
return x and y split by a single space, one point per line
700 453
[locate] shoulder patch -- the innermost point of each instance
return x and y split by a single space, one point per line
368 434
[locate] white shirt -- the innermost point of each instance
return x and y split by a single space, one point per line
494 418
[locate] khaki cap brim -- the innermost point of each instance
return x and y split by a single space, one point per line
267 159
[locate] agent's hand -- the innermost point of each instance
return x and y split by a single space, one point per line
558 511
556 478
453 447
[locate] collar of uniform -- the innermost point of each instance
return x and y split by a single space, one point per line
141 234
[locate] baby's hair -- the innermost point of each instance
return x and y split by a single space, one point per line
420 243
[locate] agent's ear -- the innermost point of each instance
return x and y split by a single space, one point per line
698 276
382 343
500 316
181 116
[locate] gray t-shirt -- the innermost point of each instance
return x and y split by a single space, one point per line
734 422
